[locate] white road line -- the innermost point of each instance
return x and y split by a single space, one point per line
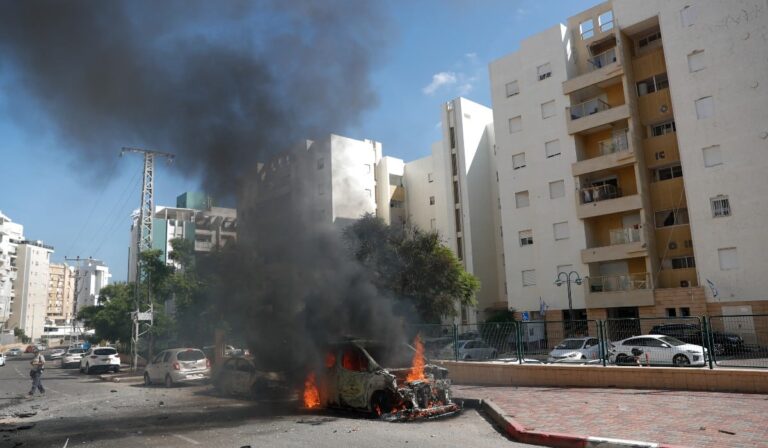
17 371
66 443
186 439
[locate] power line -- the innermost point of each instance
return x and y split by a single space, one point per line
121 202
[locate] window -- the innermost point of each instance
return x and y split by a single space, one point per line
587 29
666 127
652 84
457 218
430 177
666 218
683 263
705 108
544 71
556 189
518 161
649 39
368 192
671 312
521 199
459 249
452 136
529 277
320 163
512 88
526 237
685 311
728 259
366 169
605 21
431 200
561 230
688 15
712 156
720 206
552 148
669 172
548 109
696 61
564 268
432 224
320 189
515 124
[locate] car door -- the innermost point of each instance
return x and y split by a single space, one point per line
591 348
226 377
242 376
353 376
153 367
658 351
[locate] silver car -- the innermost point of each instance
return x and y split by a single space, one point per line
575 350
473 349
176 366
72 357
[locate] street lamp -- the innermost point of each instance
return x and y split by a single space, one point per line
567 280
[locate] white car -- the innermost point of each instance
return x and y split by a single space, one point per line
178 365
55 353
72 358
575 350
100 358
473 349
657 350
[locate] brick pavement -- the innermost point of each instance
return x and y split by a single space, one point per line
693 419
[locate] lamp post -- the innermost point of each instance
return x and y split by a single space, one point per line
567 278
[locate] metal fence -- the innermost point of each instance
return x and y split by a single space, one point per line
716 341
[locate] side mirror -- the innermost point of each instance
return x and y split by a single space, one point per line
665 345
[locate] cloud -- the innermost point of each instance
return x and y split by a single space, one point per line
439 80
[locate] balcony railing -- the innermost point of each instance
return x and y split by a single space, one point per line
614 144
624 236
599 193
621 282
589 107
601 60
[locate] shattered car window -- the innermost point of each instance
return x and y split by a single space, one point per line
394 356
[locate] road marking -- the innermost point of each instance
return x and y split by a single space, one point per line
186 439
66 443
17 371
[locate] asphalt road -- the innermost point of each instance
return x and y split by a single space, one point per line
83 411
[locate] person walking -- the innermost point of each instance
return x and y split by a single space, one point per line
38 364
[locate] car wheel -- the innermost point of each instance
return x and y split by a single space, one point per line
681 361
147 380
380 404
117 369
621 359
168 381
88 369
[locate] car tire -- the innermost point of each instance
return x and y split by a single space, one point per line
168 381
681 360
380 404
621 359
147 380
88 369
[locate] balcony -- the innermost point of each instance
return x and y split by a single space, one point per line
620 290
599 193
668 194
614 152
594 113
203 246
624 243
605 200
678 278
599 68
661 150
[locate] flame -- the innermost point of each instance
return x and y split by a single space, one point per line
311 396
417 369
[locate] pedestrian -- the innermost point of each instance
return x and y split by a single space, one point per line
38 364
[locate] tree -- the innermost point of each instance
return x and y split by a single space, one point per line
414 265
21 335
111 318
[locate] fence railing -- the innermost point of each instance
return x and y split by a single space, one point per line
624 236
599 193
588 107
620 282
619 142
602 59
717 341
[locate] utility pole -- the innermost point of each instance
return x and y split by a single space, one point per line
144 234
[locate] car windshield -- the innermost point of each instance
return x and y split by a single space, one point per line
104 351
570 344
393 356
190 355
672 341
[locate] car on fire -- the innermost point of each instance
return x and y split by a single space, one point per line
240 377
388 380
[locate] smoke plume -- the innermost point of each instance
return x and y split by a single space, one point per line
224 86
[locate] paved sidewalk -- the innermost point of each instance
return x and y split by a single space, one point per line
693 419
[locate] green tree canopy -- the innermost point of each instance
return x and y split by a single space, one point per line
414 265
111 317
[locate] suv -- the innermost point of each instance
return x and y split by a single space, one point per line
178 365
100 358
724 343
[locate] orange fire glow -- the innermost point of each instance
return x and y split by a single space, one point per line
417 367
311 396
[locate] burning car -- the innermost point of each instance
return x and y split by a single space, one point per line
355 377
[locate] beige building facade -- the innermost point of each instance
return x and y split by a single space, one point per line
61 293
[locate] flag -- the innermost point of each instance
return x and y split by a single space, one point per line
712 287
542 307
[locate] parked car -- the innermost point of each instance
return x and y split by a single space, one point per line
473 349
14 352
55 353
2 359
575 350
100 358
240 377
658 350
41 347
724 343
176 366
72 358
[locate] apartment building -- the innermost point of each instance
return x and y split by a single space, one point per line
10 235
194 218
92 275
61 293
30 304
642 127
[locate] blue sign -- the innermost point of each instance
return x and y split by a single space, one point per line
526 316
86 345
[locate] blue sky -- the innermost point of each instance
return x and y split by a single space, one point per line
435 51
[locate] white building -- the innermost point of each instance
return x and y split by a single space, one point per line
92 275
10 234
631 146
30 304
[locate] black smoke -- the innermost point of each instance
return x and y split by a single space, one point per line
225 86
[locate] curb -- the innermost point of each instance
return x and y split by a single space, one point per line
520 433
122 378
